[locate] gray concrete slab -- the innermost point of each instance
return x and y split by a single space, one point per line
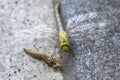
27 24
94 32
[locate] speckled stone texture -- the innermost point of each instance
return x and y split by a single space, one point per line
27 24
93 27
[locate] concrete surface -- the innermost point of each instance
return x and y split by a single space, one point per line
93 27
94 33
27 24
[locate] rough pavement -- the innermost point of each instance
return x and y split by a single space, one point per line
27 24
93 27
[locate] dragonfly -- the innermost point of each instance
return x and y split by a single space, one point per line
63 37
63 43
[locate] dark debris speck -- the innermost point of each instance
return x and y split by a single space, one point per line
10 60
15 72
9 74
19 70
35 76
16 2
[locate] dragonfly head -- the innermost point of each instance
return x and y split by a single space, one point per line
64 43
65 46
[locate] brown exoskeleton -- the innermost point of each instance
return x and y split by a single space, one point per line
50 60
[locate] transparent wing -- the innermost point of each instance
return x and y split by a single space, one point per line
41 38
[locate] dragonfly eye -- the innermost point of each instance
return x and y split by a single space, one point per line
65 47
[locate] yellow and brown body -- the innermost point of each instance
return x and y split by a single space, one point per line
64 43
63 38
